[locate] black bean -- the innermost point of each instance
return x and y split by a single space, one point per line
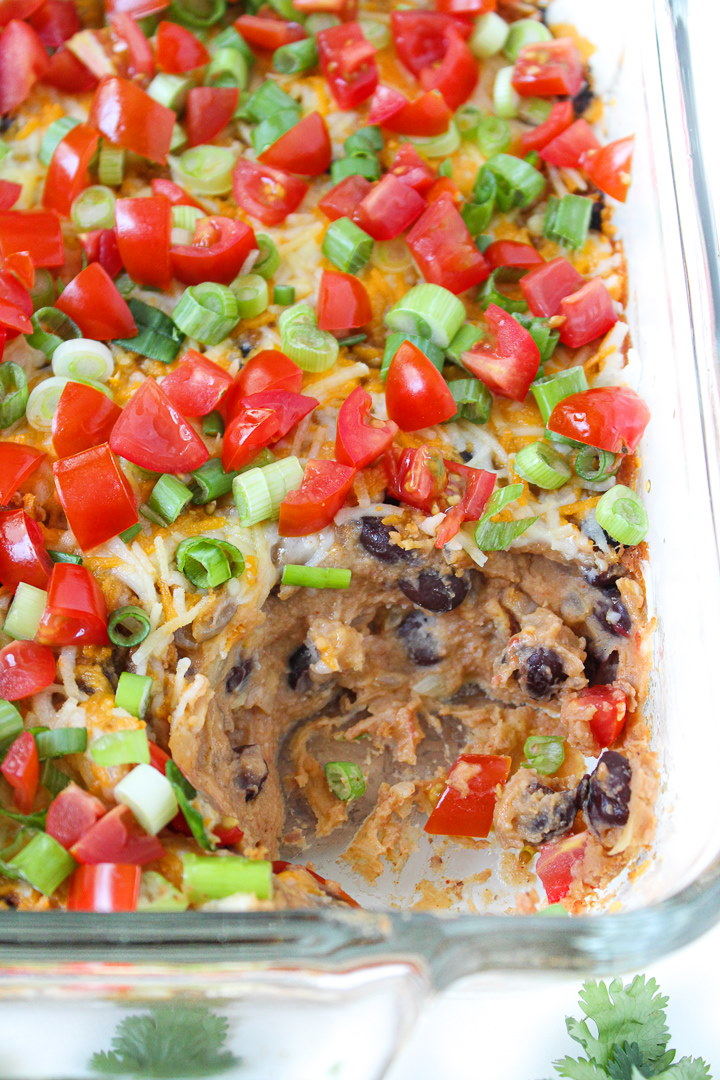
541 671
436 592
583 99
246 347
252 770
611 612
551 819
596 214
606 795
238 674
375 538
601 670
602 579
416 635
466 455
5 123
299 663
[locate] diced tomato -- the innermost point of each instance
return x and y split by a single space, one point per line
25 669
17 463
566 149
389 208
444 249
97 499
345 9
20 266
546 68
154 435
304 149
17 9
545 288
249 431
16 304
479 486
361 439
467 804
416 476
101 246
557 863
324 489
512 253
84 417
13 321
606 707
174 193
290 407
65 72
267 370
343 302
561 117
348 63
609 167
343 199
35 231
445 188
71 814
611 418
55 22
92 300
268 33
208 111
219 251
265 193
465 7
417 396
22 551
105 888
129 117
457 74
75 613
178 50
420 38
508 364
118 838
23 61
413 170
143 235
426 115
589 313
10 192
137 8
228 837
196 385
386 102
21 769
140 60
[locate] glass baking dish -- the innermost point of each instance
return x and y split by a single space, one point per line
294 995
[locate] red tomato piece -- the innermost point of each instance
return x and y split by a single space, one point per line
13 319
267 370
386 102
101 246
589 313
65 72
105 888
142 226
343 199
16 304
229 836
467 804
389 208
444 188
466 7
71 814
557 864
84 417
10 192
479 486
21 769
55 22
605 708
137 8
35 231
611 418
268 33
196 385
417 396
128 117
512 253
265 193
92 300
444 249
360 438
97 499
426 115
546 287
348 63
289 407
25 668
140 60
174 193
413 170
21 266
208 111
154 435
457 74
17 463
75 613
118 838
346 9
219 251
546 68
343 302
249 431
566 149
508 364
416 477
22 551
561 117
609 167
304 149
420 38
17 9
312 507
178 50
23 61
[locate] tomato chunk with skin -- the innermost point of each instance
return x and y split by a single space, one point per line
360 439
589 313
420 38
92 300
100 245
174 193
566 149
142 227
23 60
35 231
21 769
71 814
512 253
84 417
117 837
68 173
105 888
546 287
388 209
561 117
508 364
126 115
546 68
416 476
324 489
17 463
428 114
456 75
268 33
208 111
412 169
609 167
343 302
265 193
444 250
467 804
10 192
267 370
290 408
22 551
611 418
95 495
154 435
479 486
177 50
557 863
249 432
348 63
605 709
343 199
304 149
416 394
65 72
25 668
197 385
75 613
219 251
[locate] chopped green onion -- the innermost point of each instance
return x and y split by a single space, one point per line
230 39
251 293
211 877
392 256
296 57
366 165
492 135
539 330
228 67
443 145
128 535
204 170
11 723
316 577
376 32
25 612
364 140
535 110
207 312
498 535
133 694
354 339
43 290
55 134
297 313
622 515
178 139
184 792
524 32
551 389
259 491
446 168
545 753
157 338
269 130
394 341
149 795
111 164
542 465
284 295
268 99
186 217
94 208
430 311
61 741
489 35
477 216
158 894
553 436
170 90
210 482
128 626
533 158
43 401
489 294
52 779
473 399
13 393
44 863
268 260
122 747
213 424
506 100
316 23
83 359
467 119
207 562
467 336
310 348
521 183
347 246
554 910
567 220
345 779
595 465
65 557
197 13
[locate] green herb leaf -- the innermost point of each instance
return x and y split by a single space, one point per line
33 821
632 1014
185 793
580 1069
684 1069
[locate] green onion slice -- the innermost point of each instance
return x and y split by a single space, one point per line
207 312
521 182
94 208
541 464
50 328
544 753
430 311
467 336
269 130
111 164
82 359
204 170
314 24
61 741
54 780
43 290
25 612
149 795
65 557
297 313
490 32
251 293
133 694
13 393
364 164
492 135
284 295
524 32
441 146
473 399
551 389
209 877
228 67
197 13
42 402
128 535
365 140
539 330
392 256
168 498
347 246
498 535
345 779
208 563
622 515
11 723
158 894
259 491
55 134
377 33
490 294
268 99
44 863
596 466
316 577
128 626
211 482
122 747
567 220
310 348
268 260
296 57
184 793
393 342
